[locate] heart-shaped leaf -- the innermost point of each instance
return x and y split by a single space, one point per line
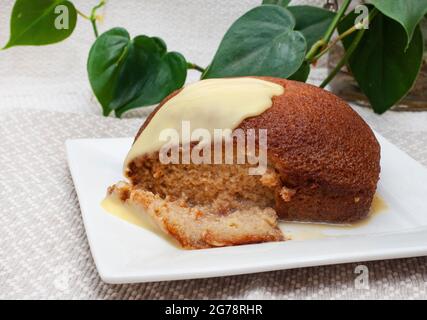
262 42
384 70
126 74
41 22
282 3
312 22
407 12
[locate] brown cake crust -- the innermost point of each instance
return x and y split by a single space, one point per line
326 156
323 150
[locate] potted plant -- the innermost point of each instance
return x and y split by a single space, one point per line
383 49
345 85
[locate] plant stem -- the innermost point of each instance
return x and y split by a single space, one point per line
82 14
94 27
337 19
93 17
195 67
337 39
349 51
328 34
344 59
345 34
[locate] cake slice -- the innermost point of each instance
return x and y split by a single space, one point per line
322 162
200 226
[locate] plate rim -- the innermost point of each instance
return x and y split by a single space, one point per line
109 275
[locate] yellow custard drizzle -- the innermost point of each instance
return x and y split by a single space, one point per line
208 104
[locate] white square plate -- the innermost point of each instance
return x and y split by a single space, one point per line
125 253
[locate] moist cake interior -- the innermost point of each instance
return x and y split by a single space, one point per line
204 205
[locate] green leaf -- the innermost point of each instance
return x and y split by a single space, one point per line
383 69
302 73
41 22
282 3
260 43
312 22
407 12
126 74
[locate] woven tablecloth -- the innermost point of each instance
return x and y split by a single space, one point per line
44 252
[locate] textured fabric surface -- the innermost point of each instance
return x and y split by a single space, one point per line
44 251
